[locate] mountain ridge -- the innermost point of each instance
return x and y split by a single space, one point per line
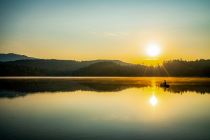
53 67
5 57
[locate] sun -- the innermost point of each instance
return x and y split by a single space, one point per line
153 50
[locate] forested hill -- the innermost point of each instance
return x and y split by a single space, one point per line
169 68
41 67
46 67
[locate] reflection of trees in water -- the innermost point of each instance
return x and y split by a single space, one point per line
22 87
202 89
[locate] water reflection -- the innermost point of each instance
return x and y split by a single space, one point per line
103 109
21 87
153 100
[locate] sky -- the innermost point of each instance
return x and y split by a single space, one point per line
105 29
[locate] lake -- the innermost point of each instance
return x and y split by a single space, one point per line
112 108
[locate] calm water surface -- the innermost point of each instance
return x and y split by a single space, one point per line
104 108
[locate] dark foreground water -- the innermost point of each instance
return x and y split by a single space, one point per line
104 109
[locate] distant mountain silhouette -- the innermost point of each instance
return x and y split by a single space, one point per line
169 68
43 67
52 67
109 69
13 57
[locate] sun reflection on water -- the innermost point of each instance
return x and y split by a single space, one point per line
153 100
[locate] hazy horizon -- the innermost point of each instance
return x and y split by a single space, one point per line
117 30
143 62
